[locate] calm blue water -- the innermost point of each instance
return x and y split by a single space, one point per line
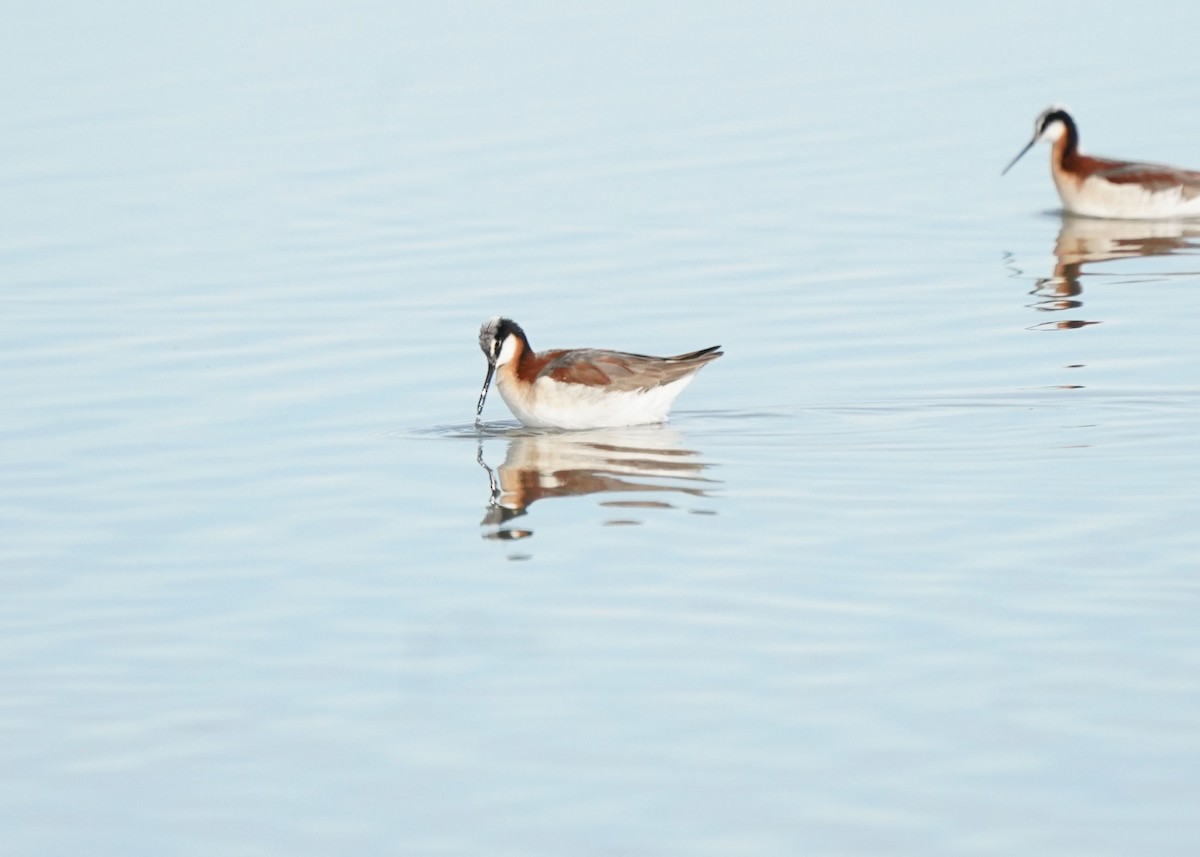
913 569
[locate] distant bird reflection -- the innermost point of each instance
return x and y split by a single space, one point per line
1084 243
641 461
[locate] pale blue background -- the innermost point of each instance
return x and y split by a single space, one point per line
938 594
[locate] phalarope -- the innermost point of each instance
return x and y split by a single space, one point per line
1102 187
582 388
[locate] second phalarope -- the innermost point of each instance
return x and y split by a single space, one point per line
1103 187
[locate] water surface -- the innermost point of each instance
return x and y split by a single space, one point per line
911 570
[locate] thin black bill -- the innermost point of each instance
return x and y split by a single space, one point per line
1020 155
487 382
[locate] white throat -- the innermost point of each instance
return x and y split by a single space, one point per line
1054 131
507 351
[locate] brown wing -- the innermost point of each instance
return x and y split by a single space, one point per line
622 371
1152 176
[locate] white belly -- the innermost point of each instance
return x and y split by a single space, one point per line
551 404
1095 197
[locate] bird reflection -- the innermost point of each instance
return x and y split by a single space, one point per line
1085 241
640 461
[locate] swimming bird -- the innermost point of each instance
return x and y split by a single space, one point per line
1103 187
584 387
